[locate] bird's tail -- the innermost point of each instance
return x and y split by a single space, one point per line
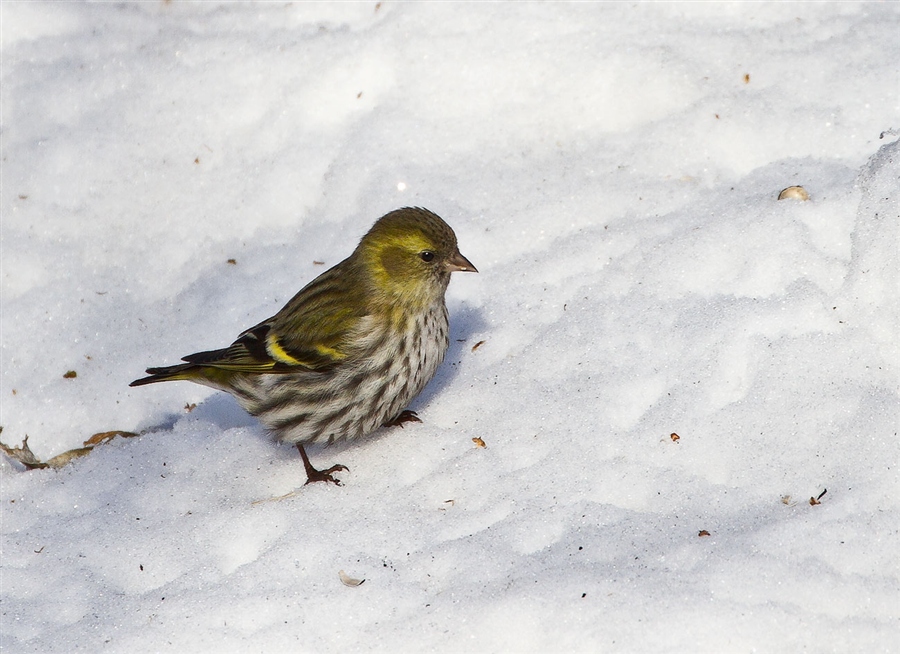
183 371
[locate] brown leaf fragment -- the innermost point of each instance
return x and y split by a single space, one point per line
62 459
675 437
190 406
23 455
71 374
232 262
26 457
478 442
477 345
703 533
105 436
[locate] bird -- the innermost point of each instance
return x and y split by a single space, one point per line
351 349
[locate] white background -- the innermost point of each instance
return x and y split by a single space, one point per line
612 170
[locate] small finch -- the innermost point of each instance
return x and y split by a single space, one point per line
352 348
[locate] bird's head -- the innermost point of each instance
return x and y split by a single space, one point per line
409 255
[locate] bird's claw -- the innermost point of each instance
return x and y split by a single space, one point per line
403 416
319 475
324 475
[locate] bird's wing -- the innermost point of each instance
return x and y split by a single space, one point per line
314 331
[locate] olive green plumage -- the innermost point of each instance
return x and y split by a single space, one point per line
353 347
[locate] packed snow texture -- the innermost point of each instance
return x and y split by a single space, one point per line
173 172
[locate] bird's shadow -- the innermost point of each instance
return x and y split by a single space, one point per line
223 411
219 409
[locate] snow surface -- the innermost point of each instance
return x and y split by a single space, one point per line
612 170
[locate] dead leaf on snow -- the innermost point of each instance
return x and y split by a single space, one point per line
26 457
105 436
22 454
62 459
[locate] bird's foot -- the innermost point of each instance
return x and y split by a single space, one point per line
319 475
403 416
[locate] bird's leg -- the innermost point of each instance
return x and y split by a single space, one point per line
319 475
403 416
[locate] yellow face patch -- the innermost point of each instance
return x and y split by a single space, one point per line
396 257
411 242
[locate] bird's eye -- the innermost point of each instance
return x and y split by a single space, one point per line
427 255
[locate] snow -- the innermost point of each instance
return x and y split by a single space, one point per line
612 170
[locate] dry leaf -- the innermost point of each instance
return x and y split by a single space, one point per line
478 442
62 459
71 374
703 533
675 437
26 457
477 345
22 454
105 436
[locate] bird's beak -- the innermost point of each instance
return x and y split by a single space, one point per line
458 263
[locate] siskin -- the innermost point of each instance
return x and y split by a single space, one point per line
352 348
